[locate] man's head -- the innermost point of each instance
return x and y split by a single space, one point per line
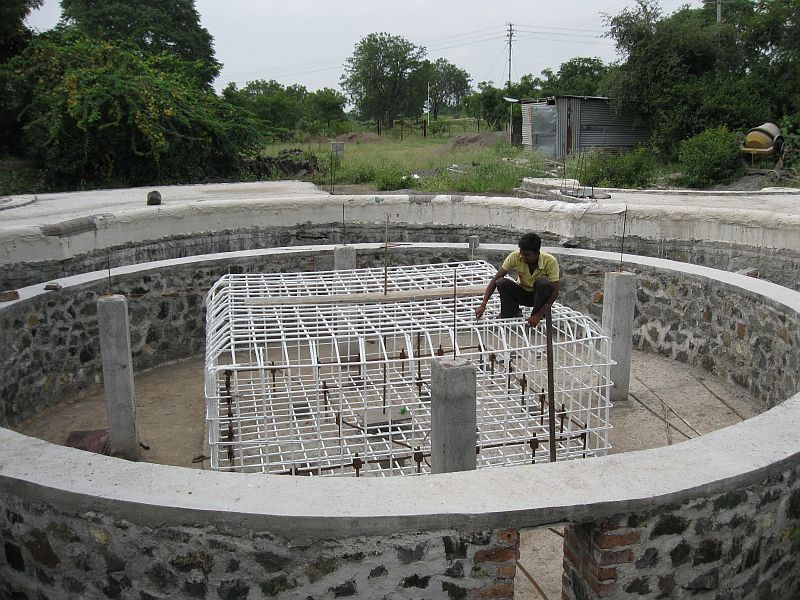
529 246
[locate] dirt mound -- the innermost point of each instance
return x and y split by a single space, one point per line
478 139
317 139
360 138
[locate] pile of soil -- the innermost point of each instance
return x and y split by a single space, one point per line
317 139
360 138
288 163
482 140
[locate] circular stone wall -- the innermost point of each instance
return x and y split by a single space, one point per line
96 525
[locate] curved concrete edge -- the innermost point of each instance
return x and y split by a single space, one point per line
756 228
743 283
307 508
310 508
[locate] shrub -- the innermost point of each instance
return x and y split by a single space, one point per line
635 169
94 113
390 177
709 157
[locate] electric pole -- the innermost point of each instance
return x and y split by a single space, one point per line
510 37
719 4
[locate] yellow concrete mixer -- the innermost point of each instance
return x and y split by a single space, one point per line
763 142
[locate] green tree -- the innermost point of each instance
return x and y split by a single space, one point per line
155 26
581 76
448 85
488 105
382 78
96 113
686 73
278 109
327 106
14 34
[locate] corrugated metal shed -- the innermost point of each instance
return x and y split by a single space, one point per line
577 124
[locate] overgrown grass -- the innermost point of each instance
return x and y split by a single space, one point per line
428 165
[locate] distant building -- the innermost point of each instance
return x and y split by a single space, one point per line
564 125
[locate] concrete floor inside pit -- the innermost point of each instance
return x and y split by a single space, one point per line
171 413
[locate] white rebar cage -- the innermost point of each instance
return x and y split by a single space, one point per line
328 373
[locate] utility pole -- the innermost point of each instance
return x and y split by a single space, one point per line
510 37
719 4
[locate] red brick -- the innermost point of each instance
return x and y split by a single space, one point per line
508 535
570 555
618 557
496 555
506 572
597 297
609 540
740 330
602 573
502 590
603 590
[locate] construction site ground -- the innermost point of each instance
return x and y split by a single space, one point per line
171 415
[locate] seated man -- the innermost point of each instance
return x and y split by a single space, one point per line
536 286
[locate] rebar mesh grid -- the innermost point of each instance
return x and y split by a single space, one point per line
315 387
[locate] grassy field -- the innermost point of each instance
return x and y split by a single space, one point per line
434 165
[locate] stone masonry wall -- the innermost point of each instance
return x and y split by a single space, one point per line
744 543
49 345
739 336
781 266
51 554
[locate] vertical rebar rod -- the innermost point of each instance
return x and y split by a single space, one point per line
455 307
551 392
386 257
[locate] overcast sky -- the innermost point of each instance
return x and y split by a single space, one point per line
307 41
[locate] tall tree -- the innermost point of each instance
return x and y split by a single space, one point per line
449 85
277 108
14 34
156 26
382 78
580 76
327 106
96 113
686 73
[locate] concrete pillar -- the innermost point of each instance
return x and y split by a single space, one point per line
115 348
619 299
344 258
474 242
453 415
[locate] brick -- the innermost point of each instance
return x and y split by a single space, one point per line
602 573
502 590
506 572
509 536
740 330
603 590
608 540
618 557
496 555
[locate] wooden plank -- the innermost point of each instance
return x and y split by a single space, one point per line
368 298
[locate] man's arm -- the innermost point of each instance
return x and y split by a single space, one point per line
501 272
534 319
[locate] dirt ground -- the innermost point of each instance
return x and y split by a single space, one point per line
171 413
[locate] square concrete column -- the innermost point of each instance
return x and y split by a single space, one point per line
115 348
453 415
344 258
619 300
